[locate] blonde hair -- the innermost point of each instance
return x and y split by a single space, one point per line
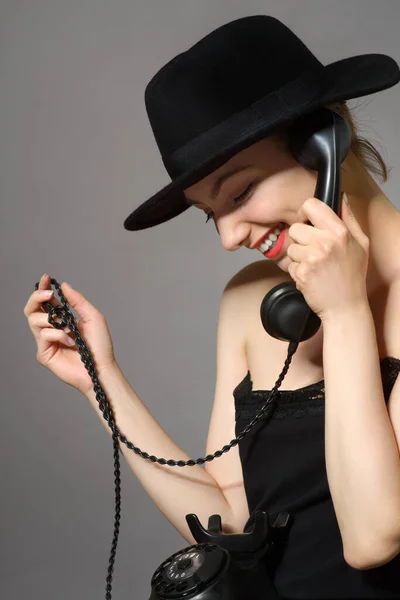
362 148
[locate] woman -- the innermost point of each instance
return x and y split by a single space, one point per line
224 104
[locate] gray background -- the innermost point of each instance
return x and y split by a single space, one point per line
77 155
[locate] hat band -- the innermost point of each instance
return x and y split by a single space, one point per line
276 107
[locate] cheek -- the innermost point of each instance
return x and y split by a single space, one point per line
275 196
307 181
293 188
281 193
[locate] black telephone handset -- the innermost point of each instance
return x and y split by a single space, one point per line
319 141
225 566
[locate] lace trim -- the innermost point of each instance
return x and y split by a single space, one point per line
306 401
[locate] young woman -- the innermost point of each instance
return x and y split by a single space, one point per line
329 454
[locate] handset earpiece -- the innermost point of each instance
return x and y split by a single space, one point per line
319 141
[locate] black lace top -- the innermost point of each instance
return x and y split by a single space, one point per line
283 462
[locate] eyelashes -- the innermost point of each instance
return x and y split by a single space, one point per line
238 200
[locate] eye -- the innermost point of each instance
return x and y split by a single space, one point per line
243 196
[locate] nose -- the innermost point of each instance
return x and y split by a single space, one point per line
233 236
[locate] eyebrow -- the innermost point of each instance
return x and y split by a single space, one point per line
221 179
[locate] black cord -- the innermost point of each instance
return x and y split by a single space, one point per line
67 319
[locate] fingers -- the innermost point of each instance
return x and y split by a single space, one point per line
35 311
78 302
49 336
38 321
38 297
46 343
35 301
44 283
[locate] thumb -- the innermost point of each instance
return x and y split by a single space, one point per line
78 302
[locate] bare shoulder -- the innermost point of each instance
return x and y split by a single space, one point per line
249 285
259 274
254 273
244 293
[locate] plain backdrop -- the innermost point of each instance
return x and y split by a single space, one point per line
77 155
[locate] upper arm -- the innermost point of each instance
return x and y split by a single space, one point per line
231 369
391 337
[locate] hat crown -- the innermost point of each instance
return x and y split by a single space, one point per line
222 74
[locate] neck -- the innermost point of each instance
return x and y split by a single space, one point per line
378 218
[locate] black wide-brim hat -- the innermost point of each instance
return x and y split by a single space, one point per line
236 85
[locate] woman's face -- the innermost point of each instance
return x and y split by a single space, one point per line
279 186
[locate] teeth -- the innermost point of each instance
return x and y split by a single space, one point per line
271 239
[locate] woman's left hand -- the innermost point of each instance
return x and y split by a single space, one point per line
330 259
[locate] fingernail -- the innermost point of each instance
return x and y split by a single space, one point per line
345 198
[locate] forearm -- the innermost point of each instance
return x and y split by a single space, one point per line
362 458
176 491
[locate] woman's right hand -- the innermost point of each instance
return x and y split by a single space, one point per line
53 351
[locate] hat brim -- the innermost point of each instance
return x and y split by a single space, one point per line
352 77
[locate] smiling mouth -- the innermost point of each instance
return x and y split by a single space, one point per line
273 246
270 236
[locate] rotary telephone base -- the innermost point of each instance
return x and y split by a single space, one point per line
223 566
